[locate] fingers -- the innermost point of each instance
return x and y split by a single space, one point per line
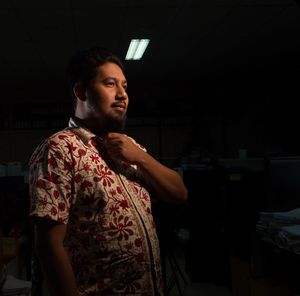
111 136
113 139
115 145
119 146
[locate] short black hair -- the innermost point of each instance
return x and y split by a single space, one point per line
82 66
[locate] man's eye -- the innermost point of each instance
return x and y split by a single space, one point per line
111 83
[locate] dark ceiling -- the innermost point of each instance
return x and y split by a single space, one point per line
200 50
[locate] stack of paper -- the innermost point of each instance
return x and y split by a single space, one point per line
16 287
281 228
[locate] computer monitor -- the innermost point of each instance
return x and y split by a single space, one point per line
283 183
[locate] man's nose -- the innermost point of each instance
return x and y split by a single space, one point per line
121 94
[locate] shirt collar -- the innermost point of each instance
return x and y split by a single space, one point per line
81 131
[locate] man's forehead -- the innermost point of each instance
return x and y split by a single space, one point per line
111 70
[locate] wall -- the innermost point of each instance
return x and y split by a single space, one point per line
174 140
18 145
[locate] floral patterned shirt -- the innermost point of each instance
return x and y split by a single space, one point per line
111 238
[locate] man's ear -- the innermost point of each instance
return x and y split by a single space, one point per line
79 91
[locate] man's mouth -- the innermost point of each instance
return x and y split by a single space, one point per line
119 106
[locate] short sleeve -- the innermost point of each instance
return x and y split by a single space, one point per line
50 179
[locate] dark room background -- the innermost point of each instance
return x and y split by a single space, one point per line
214 96
218 76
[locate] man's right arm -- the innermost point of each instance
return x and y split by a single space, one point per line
53 258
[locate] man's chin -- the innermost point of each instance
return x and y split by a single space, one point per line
116 125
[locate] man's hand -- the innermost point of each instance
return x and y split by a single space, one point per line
166 182
121 147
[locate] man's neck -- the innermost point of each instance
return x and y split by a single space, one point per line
89 124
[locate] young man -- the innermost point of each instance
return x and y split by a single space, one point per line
89 186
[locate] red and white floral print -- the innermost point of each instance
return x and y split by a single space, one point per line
111 237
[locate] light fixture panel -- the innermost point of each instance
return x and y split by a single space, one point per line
136 49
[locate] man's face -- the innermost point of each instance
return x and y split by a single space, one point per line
106 98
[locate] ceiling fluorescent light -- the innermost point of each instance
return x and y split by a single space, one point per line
143 43
131 49
136 49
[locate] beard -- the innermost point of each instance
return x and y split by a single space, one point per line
103 122
115 124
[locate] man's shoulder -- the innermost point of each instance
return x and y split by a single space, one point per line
56 140
60 140
63 135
